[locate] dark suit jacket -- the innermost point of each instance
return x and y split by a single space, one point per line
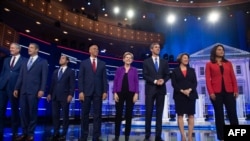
180 82
150 74
91 82
61 89
10 75
33 80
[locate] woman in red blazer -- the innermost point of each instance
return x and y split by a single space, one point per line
222 88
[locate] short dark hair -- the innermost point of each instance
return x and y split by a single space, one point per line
153 44
92 45
213 54
67 57
36 45
179 57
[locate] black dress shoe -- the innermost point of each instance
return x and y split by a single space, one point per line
21 138
30 138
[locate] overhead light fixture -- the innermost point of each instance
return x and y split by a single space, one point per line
171 18
56 39
27 30
106 15
116 10
89 2
191 1
103 5
130 13
219 1
37 22
213 17
82 8
89 39
65 32
7 9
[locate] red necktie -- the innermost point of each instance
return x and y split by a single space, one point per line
94 65
12 63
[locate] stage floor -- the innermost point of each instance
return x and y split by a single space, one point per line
204 131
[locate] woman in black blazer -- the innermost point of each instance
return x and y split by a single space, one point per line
184 83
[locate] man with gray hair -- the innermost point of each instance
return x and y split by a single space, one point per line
9 74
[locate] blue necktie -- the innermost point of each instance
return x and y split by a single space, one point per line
30 63
60 74
156 64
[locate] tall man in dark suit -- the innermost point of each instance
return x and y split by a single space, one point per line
9 74
30 87
156 74
61 91
92 88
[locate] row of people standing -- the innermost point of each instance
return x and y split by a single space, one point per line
31 76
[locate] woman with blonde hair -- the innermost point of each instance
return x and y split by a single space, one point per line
125 89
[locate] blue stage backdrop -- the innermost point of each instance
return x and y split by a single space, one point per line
193 35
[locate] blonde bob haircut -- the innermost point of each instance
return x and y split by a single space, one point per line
128 53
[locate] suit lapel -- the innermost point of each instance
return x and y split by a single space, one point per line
34 63
18 62
65 71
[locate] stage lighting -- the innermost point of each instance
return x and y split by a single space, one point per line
130 13
103 5
116 10
213 17
171 18
89 2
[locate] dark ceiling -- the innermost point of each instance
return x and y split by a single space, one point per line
49 30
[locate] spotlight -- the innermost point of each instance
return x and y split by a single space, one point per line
171 18
130 13
89 2
213 17
116 10
103 5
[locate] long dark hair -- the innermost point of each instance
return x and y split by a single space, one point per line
213 54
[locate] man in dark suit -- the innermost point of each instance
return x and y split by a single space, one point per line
30 87
8 77
61 91
156 74
92 88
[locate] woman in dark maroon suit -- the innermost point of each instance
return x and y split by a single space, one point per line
184 83
222 88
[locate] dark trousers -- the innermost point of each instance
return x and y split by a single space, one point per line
28 112
128 98
229 101
96 102
159 104
7 95
56 106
